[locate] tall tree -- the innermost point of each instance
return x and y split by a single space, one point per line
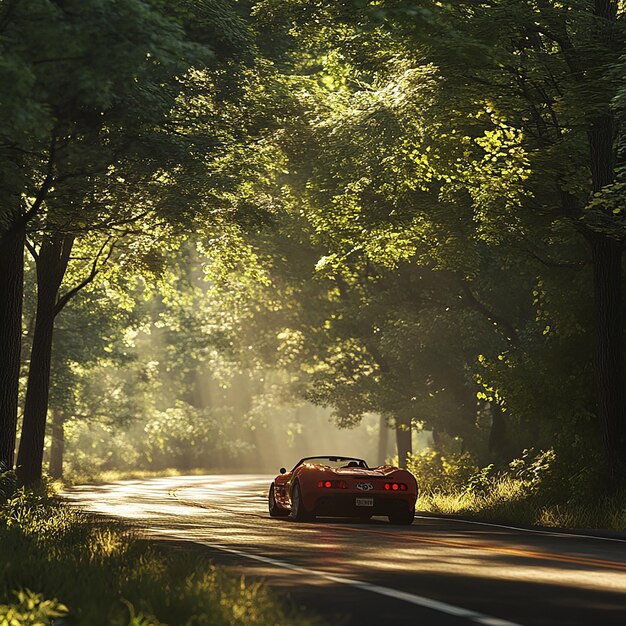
141 158
520 125
549 72
91 72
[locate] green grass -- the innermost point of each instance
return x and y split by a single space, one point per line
57 560
537 489
513 501
109 476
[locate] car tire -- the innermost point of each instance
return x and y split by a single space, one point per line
298 513
274 508
405 518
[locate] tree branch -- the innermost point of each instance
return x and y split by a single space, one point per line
503 325
31 248
46 185
556 264
63 300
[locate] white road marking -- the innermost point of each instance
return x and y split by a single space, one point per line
428 603
548 533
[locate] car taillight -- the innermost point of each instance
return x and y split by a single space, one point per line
332 484
395 487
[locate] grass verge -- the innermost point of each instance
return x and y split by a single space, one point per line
61 566
108 476
536 489
511 501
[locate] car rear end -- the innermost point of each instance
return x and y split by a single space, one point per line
362 494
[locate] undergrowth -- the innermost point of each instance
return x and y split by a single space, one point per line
60 566
534 490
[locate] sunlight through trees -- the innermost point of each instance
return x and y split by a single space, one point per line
223 224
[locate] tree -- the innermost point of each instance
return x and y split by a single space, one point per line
518 125
92 335
88 92
122 137
549 72
72 76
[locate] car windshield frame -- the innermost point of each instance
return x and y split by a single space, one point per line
362 464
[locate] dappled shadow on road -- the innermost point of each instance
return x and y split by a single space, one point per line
528 578
528 603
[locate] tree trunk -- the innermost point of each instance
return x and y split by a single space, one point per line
11 295
57 445
498 442
404 441
51 266
606 255
383 440
607 273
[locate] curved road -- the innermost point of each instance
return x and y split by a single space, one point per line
438 572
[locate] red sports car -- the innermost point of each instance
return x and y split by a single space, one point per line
340 486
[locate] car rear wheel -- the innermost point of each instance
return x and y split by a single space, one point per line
275 510
405 518
298 513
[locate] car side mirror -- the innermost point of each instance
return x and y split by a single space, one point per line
282 470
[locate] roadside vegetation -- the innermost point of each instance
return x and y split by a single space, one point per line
61 566
227 228
533 490
109 476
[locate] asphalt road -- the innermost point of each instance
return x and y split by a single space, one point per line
438 572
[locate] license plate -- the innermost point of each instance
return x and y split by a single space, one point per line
365 501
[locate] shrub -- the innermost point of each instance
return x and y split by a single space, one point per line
436 472
538 488
31 609
8 485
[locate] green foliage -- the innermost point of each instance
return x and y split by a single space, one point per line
537 488
440 178
90 75
439 473
189 437
481 481
536 472
31 609
8 485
